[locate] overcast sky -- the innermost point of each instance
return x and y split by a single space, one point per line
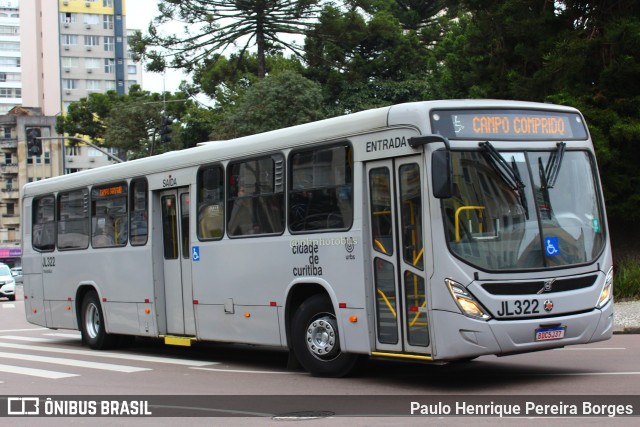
139 13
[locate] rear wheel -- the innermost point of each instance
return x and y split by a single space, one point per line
316 339
92 324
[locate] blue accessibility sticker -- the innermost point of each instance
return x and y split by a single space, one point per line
195 253
551 246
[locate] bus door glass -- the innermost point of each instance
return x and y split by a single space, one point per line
397 254
177 261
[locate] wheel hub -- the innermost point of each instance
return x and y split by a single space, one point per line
321 336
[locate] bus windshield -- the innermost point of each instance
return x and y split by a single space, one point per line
524 210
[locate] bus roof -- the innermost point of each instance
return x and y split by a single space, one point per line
335 128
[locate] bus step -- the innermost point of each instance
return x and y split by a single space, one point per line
183 341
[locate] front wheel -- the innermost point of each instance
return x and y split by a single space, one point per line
316 339
92 324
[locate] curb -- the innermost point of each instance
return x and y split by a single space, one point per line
622 330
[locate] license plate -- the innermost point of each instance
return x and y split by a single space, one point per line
547 334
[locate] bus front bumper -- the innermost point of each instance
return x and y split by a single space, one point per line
504 337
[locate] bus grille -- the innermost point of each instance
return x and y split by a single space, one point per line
533 288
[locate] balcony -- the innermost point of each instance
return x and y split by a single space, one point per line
8 143
9 168
10 193
9 220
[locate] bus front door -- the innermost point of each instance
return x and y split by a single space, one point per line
178 289
397 224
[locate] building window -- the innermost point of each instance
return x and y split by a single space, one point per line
70 62
108 44
109 84
7 30
10 46
107 22
12 62
92 63
132 69
70 84
107 3
10 93
91 40
109 65
68 17
7 134
91 19
7 158
94 85
69 39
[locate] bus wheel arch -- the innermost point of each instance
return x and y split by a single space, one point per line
91 320
314 334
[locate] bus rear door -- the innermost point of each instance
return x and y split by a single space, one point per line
178 288
396 218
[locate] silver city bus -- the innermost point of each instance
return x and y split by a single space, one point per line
429 231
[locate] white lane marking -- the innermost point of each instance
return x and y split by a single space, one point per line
136 357
577 374
23 330
59 335
35 372
73 362
242 371
19 338
591 348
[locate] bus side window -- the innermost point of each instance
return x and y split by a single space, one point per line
73 220
44 225
139 220
210 200
109 222
321 189
255 201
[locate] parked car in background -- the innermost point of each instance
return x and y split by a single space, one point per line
16 272
7 283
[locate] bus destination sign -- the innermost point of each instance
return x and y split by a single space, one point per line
508 125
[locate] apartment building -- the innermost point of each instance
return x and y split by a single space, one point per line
10 61
52 53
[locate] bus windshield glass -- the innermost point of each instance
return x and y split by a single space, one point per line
527 210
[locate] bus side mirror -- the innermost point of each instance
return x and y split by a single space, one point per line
441 181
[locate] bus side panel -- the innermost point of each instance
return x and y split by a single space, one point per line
130 318
34 297
62 314
247 324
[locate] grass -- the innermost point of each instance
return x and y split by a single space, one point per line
626 279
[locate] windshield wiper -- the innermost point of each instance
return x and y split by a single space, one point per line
552 170
509 173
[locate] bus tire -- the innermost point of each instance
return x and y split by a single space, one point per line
316 339
92 324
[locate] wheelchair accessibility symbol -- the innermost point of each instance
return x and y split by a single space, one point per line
195 253
551 246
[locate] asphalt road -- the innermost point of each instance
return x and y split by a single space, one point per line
36 361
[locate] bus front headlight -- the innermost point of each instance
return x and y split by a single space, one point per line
465 301
607 290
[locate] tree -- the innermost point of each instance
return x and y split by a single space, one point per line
278 101
365 61
85 117
212 26
224 78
